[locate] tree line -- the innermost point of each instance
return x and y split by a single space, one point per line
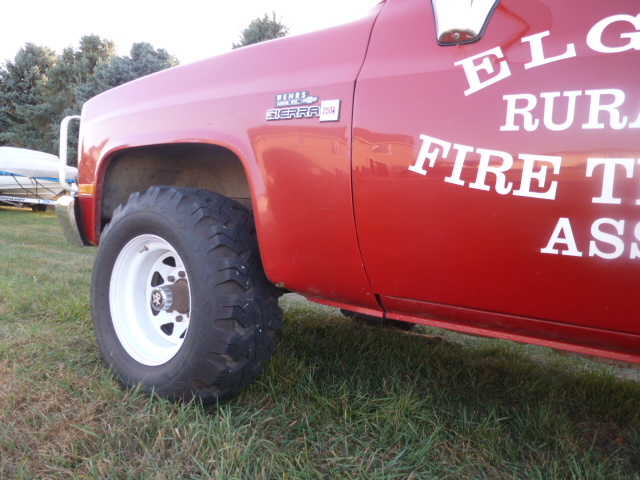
38 88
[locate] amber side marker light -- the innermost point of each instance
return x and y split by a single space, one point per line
86 188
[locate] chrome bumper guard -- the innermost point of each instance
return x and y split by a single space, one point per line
66 213
66 206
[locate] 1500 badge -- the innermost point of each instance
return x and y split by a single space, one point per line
301 105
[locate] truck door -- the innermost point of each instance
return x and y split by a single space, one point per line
502 175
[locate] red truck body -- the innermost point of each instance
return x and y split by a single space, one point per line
490 187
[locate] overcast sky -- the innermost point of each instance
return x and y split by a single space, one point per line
188 29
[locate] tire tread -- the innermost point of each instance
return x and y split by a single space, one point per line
241 309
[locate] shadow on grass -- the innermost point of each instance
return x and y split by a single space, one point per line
487 409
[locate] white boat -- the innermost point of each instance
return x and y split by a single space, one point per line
30 177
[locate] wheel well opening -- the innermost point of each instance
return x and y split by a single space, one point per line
209 167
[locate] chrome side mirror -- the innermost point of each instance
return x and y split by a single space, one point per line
462 21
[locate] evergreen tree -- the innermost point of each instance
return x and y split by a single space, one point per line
143 60
23 121
260 30
73 69
38 89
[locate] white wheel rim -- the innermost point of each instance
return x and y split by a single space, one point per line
144 265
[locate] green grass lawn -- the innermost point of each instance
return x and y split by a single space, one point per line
339 400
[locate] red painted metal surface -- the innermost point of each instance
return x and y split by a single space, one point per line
491 187
458 234
299 169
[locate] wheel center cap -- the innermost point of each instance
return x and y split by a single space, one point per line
161 299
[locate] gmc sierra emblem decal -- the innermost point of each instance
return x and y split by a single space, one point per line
301 105
293 112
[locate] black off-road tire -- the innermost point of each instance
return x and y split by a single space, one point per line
207 242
